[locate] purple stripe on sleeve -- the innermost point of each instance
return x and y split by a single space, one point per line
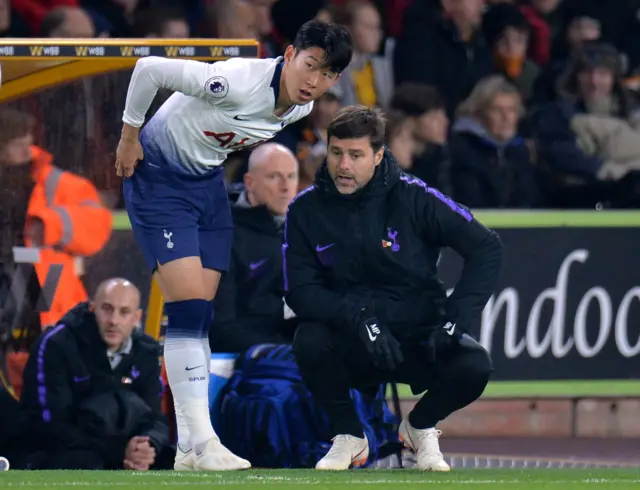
455 207
42 387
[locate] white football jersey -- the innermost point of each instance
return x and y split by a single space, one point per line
217 108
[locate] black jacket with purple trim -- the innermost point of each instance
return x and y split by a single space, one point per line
73 399
378 249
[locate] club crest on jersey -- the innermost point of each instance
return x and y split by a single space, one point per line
217 86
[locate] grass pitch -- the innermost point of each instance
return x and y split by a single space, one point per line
566 479
561 388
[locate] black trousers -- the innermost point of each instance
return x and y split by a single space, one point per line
333 362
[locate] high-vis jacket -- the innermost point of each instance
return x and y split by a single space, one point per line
76 225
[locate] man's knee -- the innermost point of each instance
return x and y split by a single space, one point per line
474 360
312 343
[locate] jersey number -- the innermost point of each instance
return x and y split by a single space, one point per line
226 140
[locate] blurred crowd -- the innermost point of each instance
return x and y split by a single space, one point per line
498 103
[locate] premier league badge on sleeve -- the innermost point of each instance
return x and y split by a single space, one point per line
218 87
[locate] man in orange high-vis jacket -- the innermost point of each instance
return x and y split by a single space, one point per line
64 217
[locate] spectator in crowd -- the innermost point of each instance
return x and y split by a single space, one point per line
11 24
169 23
289 15
369 78
581 25
540 35
508 31
5 17
311 146
490 163
70 22
92 389
249 305
112 16
399 138
64 216
449 53
269 44
233 19
425 106
325 14
33 12
614 19
552 12
591 133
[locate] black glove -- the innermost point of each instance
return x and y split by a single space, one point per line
381 345
441 338
452 330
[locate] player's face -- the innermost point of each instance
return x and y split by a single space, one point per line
351 163
117 313
275 183
306 79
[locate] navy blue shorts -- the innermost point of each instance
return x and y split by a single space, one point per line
175 216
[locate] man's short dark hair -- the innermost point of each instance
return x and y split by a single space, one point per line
334 39
416 99
357 121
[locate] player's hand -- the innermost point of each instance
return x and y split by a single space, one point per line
446 333
380 343
128 154
139 454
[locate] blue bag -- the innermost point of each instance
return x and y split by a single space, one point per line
269 417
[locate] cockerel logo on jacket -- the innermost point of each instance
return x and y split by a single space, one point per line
392 240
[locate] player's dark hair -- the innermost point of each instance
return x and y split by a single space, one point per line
334 39
358 121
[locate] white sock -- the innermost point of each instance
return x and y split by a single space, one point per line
188 375
207 354
184 441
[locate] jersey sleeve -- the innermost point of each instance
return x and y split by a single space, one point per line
225 83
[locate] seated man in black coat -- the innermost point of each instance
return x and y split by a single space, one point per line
249 305
92 388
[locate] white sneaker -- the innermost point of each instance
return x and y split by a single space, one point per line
183 461
217 457
346 451
424 443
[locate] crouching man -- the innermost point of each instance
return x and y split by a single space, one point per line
360 254
91 394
